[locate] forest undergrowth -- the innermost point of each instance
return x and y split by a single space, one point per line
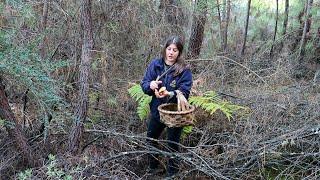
278 139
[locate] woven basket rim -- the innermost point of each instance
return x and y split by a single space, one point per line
160 108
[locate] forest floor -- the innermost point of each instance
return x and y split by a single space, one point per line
279 138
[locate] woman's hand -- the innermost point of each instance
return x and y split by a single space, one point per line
154 85
162 94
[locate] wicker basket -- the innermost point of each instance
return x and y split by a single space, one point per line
173 118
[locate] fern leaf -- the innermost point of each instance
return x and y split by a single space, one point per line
210 102
142 99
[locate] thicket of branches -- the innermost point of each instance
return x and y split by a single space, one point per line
276 75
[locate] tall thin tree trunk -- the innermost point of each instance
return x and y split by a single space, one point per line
275 28
223 21
285 22
86 56
298 35
220 23
226 25
14 129
43 26
224 15
306 28
197 31
286 16
246 29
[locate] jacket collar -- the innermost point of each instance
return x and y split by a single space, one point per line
160 64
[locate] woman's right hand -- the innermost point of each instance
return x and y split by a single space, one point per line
154 85
163 94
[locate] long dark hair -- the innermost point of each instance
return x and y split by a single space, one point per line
180 64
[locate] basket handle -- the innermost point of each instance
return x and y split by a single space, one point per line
183 103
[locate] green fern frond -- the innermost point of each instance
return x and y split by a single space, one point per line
143 109
210 102
143 100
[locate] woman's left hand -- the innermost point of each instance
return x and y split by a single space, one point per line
162 94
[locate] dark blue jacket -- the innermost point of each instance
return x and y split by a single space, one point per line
182 82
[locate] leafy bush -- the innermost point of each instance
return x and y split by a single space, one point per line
21 66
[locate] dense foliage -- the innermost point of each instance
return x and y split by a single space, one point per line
277 78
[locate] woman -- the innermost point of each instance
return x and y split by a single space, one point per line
175 75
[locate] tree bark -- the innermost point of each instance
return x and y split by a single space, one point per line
14 129
220 23
43 26
223 15
275 28
197 31
246 29
86 56
226 25
286 17
306 28
285 22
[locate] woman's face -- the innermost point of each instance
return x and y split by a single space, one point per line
172 54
